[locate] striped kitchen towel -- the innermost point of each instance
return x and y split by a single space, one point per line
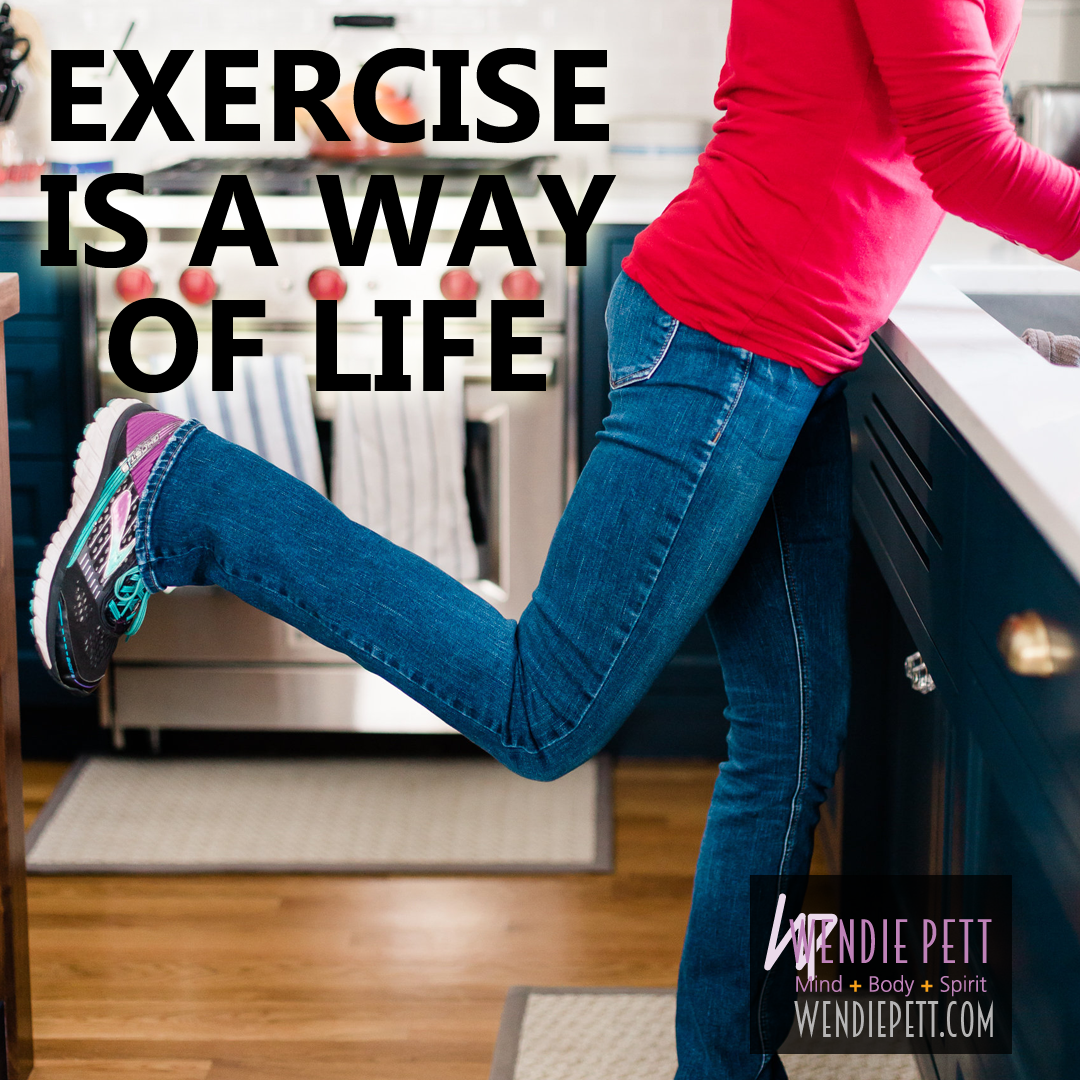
268 411
399 469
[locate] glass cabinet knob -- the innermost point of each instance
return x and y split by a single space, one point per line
915 669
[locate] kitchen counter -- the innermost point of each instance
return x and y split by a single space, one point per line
1019 413
29 204
627 203
306 212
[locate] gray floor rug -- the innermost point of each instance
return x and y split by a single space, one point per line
175 816
610 1034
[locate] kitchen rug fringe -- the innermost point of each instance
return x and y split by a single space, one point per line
115 815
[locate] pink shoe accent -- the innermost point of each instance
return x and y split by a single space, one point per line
143 426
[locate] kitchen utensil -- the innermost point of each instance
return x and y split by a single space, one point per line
395 108
298 176
1048 116
13 51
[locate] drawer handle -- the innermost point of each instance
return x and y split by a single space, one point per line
1032 645
921 679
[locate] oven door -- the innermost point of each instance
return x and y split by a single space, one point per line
204 659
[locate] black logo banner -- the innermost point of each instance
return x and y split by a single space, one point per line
881 964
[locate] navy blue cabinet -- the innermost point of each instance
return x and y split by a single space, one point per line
45 388
909 476
981 776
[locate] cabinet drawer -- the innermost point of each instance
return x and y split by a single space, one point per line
1011 569
909 490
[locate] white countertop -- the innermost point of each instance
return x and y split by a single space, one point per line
29 205
623 206
1020 413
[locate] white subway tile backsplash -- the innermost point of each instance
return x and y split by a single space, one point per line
1047 49
664 57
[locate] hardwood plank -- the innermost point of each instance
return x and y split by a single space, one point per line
387 978
117 1069
39 779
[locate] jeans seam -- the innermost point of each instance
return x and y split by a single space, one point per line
148 500
800 775
796 633
648 373
748 361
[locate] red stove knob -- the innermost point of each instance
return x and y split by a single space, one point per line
521 285
459 285
134 283
198 285
327 284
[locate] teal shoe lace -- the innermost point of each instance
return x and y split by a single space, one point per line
129 600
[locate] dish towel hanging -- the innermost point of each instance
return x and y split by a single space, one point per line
399 469
268 411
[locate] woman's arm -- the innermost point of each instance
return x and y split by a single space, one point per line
1073 261
937 62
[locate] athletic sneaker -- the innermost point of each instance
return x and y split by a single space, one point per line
89 591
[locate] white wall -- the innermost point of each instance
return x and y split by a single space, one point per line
664 55
1048 47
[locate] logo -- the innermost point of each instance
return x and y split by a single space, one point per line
881 964
118 515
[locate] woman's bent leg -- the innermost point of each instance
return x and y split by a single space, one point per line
695 442
781 632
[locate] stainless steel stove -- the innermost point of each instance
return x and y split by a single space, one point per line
203 658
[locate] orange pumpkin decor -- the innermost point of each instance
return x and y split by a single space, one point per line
396 109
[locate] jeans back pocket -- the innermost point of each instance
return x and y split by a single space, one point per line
639 333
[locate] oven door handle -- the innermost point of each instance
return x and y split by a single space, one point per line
494 583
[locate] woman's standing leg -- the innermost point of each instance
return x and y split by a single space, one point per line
781 632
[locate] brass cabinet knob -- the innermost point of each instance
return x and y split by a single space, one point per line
1036 646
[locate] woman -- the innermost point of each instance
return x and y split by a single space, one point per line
719 485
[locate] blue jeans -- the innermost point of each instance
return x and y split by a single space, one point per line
719 487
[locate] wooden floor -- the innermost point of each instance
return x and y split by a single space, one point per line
394 978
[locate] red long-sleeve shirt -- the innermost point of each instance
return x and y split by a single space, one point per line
851 126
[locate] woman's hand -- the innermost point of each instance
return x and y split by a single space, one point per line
1074 262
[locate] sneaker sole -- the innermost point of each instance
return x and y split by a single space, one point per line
97 448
